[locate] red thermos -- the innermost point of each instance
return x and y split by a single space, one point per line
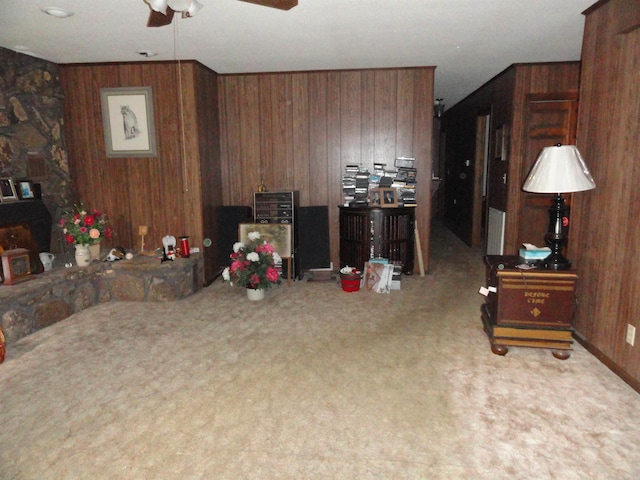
184 246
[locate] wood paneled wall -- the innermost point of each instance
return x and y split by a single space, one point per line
605 232
505 99
297 131
169 192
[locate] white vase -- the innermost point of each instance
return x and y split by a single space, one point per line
255 294
83 255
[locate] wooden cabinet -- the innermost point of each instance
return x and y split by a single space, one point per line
528 308
367 232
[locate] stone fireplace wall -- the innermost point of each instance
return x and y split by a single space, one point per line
32 144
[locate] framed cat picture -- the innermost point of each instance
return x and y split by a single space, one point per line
128 122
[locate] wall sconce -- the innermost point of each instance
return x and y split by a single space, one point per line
438 108
559 169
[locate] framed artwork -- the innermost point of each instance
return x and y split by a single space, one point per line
25 190
389 197
374 197
7 190
128 122
277 234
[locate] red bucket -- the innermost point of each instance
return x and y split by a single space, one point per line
350 283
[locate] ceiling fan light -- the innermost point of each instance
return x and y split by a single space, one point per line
193 8
158 5
179 5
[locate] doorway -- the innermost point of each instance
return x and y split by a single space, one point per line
481 159
551 119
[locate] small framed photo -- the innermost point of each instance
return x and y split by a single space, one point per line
375 197
25 190
7 190
389 197
128 122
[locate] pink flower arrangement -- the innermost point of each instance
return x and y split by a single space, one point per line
253 264
84 227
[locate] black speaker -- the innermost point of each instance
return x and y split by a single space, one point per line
229 217
313 238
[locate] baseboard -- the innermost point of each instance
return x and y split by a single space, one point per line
610 364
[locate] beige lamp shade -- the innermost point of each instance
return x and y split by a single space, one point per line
559 169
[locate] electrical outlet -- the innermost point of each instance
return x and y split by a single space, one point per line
631 334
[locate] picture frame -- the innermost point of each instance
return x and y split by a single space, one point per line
277 234
128 122
376 277
25 190
15 266
7 190
389 197
375 197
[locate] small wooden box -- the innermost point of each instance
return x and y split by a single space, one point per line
16 266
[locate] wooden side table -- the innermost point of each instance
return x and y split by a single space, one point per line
369 232
529 308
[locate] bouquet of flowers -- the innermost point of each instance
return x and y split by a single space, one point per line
253 264
80 226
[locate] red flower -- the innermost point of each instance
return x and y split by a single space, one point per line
272 274
69 238
89 220
236 265
268 248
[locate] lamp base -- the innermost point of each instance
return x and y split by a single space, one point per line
556 261
556 238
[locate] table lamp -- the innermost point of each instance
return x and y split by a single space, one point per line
558 169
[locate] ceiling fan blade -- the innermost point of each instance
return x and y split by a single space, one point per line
158 19
280 4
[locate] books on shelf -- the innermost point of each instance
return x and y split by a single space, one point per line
404 162
358 181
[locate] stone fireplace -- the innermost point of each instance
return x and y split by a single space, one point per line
32 144
32 213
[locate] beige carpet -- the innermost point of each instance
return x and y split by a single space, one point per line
311 383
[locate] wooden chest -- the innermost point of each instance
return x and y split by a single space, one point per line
532 308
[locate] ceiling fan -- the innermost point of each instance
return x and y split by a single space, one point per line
162 11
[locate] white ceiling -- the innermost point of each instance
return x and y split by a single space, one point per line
469 41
